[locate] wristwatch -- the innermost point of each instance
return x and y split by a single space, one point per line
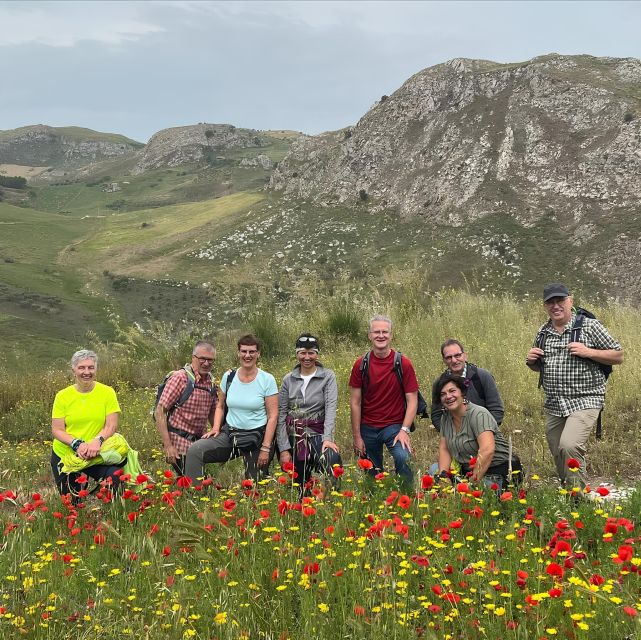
101 438
406 429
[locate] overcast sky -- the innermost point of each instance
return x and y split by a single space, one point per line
138 67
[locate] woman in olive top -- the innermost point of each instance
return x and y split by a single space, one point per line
84 415
470 435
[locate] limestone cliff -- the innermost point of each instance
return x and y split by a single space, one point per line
555 136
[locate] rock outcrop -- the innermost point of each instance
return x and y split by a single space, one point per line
193 144
556 136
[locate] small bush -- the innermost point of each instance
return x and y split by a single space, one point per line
269 330
344 322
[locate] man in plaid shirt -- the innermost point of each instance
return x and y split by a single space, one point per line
573 382
180 426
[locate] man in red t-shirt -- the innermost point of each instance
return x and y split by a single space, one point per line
382 410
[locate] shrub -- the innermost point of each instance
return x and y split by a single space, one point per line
344 322
270 331
13 182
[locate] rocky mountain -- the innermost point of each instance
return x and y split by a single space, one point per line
557 135
62 147
194 144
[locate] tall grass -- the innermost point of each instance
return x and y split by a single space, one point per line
497 331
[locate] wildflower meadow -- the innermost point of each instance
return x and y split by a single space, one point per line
237 560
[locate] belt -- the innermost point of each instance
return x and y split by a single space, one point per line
183 434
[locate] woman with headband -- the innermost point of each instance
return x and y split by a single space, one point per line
307 415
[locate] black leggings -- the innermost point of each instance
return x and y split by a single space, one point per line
68 482
316 460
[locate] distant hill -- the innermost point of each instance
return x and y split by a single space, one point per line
196 144
554 140
62 147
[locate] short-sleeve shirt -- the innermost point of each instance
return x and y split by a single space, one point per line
464 444
84 413
246 400
384 398
572 383
193 415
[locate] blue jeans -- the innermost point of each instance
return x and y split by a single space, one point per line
374 440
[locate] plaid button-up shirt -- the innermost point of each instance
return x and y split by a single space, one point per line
572 383
194 414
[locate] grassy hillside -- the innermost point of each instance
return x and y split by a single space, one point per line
41 301
73 133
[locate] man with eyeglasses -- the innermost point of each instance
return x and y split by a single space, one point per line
182 421
382 407
572 380
480 384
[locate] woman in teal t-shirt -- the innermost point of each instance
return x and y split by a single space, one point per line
245 419
84 415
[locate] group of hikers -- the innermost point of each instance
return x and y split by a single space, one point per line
248 416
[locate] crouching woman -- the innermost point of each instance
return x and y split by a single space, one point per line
84 415
470 435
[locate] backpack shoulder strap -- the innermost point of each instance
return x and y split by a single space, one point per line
398 368
476 381
575 333
189 387
231 374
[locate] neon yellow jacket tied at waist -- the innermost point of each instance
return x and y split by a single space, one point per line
114 450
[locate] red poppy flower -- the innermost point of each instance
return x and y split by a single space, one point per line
229 505
603 491
380 476
311 568
166 551
247 483
82 479
554 569
506 496
631 611
463 487
337 471
184 482
427 482
555 592
573 464
359 610
365 464
404 502
625 553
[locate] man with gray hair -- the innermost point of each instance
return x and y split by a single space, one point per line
187 403
383 402
573 353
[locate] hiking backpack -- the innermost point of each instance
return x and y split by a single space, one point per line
185 395
575 336
421 409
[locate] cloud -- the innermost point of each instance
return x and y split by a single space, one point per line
65 24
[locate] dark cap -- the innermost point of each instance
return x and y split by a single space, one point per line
307 341
555 290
